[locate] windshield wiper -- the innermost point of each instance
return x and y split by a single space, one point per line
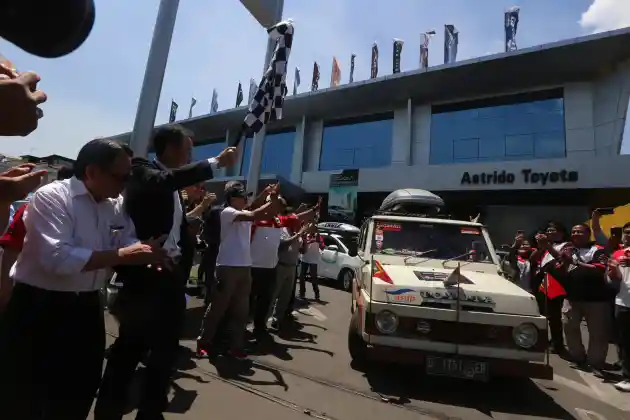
418 254
467 254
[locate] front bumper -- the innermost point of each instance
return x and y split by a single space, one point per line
497 367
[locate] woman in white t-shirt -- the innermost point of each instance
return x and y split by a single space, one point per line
312 246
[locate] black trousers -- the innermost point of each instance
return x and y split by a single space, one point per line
623 326
552 309
291 304
312 270
52 346
209 264
263 286
151 320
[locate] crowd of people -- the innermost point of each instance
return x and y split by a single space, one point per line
579 275
115 213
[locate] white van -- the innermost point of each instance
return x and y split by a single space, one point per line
429 292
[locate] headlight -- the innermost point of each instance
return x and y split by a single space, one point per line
386 322
525 335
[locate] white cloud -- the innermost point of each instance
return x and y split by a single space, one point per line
606 15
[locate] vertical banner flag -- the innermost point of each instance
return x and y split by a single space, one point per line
239 95
315 82
214 105
296 81
352 57
342 196
398 46
193 102
173 114
511 25
451 40
425 38
374 66
253 88
335 76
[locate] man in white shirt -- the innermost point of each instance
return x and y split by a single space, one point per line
76 232
233 269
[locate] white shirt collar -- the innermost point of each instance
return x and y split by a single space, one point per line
77 187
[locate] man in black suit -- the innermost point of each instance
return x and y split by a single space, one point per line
152 302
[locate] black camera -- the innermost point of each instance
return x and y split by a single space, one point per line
46 28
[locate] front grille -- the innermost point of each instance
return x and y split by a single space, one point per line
453 306
461 333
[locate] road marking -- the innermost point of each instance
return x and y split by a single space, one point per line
597 390
588 415
606 392
315 313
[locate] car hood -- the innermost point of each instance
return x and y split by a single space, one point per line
421 286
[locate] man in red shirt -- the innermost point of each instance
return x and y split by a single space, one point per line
11 243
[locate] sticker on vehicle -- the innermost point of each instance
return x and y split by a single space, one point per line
470 231
391 227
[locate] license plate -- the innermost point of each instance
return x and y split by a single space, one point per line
457 368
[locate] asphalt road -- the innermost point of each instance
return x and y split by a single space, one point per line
307 373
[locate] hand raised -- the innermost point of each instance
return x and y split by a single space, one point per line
16 183
227 157
19 100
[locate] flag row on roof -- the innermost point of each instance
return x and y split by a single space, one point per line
451 43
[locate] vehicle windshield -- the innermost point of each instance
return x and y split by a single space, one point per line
430 240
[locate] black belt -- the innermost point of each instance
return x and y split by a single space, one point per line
287 265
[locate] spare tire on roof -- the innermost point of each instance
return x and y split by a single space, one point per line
410 200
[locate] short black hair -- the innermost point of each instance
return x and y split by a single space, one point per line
65 172
127 149
99 152
626 226
168 135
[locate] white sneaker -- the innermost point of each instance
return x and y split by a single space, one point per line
623 386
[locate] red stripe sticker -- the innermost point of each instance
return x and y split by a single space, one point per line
470 231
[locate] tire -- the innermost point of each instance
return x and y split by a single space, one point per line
346 277
356 346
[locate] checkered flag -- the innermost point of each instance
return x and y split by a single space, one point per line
267 103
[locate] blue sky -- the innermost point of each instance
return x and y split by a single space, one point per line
94 91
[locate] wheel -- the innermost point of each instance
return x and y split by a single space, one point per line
346 276
356 346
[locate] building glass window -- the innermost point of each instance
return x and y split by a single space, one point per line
357 145
277 156
207 151
516 127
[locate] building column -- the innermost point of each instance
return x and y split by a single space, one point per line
230 140
401 136
298 153
313 135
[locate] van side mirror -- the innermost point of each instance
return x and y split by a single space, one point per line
353 250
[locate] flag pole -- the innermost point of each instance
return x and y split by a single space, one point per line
259 138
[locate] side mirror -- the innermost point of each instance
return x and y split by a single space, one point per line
353 251
333 248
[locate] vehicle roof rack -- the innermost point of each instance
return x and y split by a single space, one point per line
405 214
411 201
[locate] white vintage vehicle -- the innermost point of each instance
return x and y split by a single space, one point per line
429 292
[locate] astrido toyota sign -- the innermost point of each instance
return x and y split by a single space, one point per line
526 176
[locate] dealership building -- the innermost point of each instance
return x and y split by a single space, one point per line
519 138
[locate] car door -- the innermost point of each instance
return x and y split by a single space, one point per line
330 257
